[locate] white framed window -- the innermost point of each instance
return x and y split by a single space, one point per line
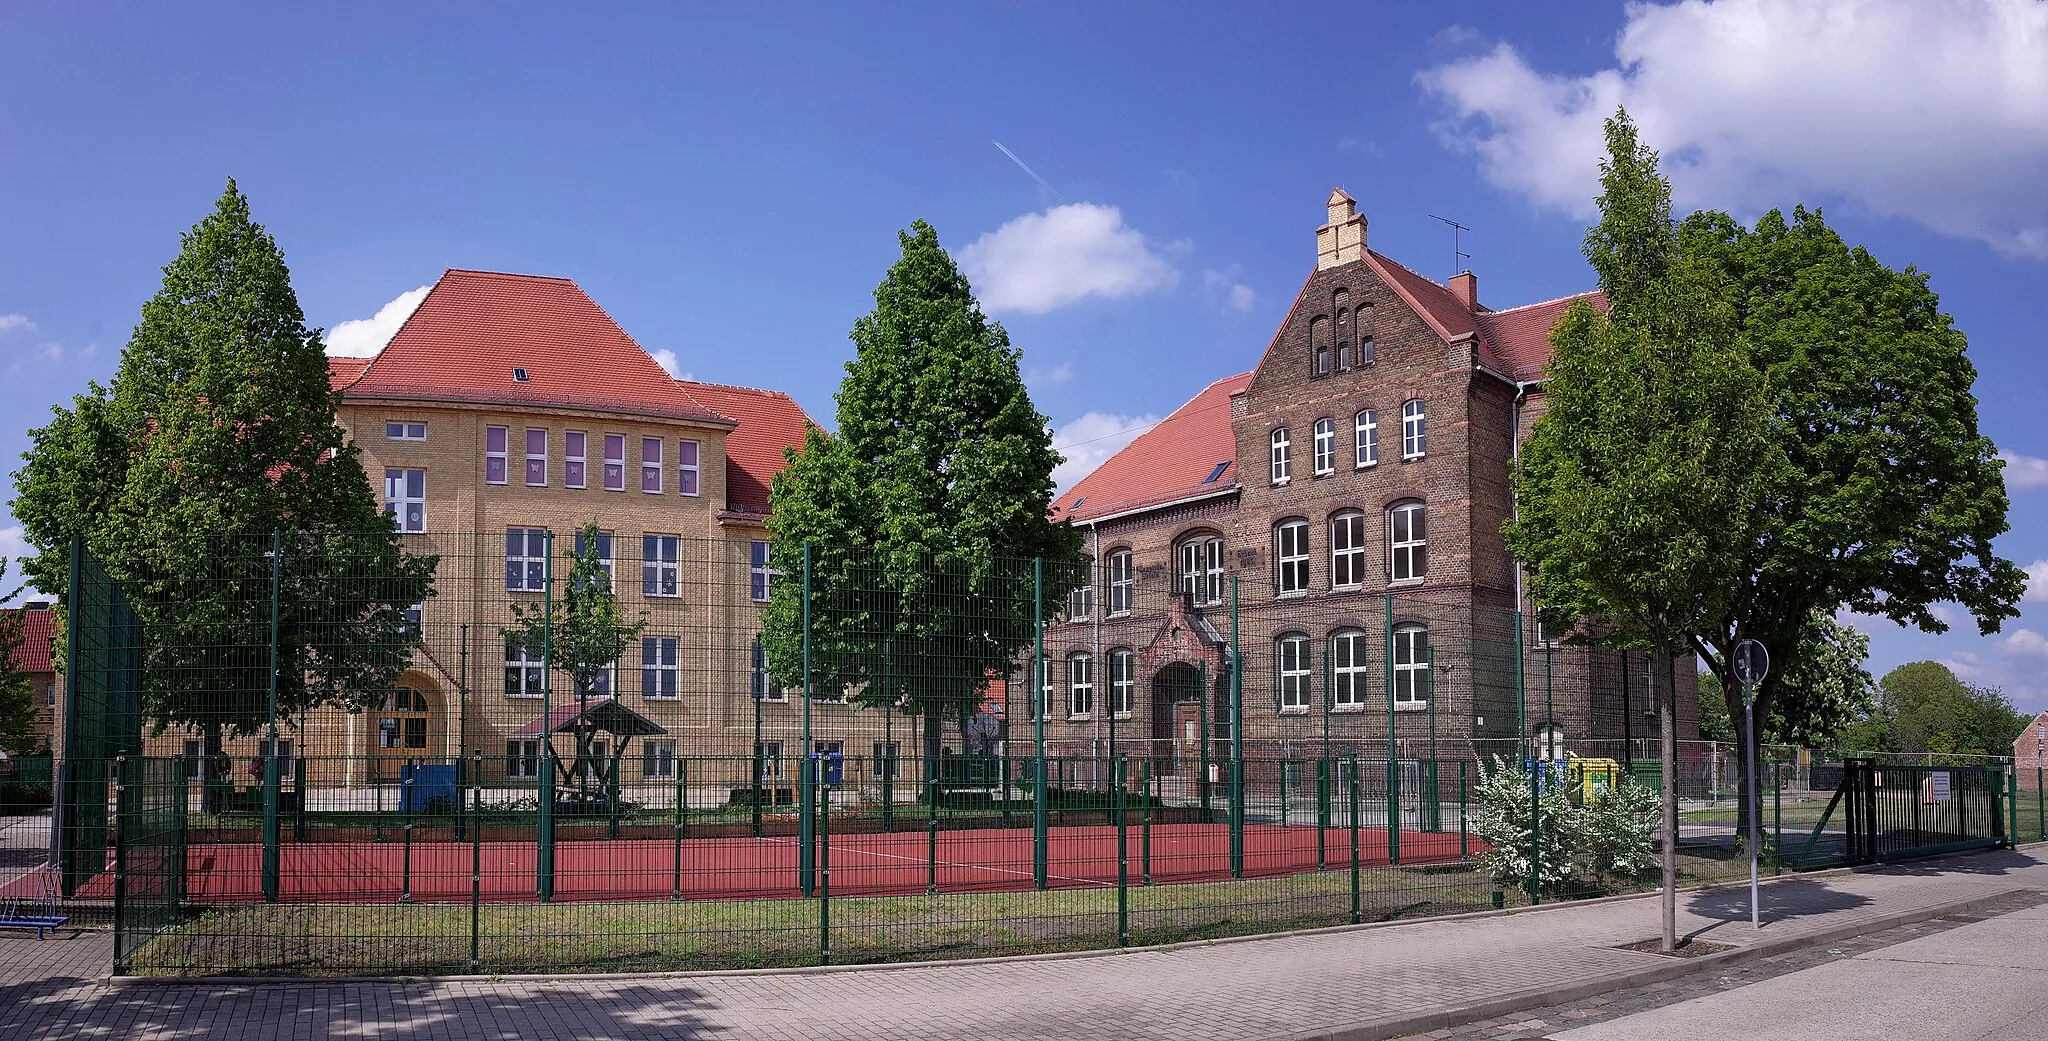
526 557
769 753
1367 426
405 498
536 457
650 465
522 758
657 758
524 670
758 571
405 431
658 567
1411 665
1347 550
1325 446
1201 569
1408 551
1048 702
1291 650
1290 557
598 678
1080 685
615 462
758 685
1081 603
1282 464
660 674
575 456
604 555
687 470
1348 676
1413 429
496 440
1123 683
1120 582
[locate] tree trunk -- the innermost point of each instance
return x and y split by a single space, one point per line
1667 732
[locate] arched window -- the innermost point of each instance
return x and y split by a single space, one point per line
1119 581
1361 327
1367 425
1347 550
1412 439
1348 675
1047 700
1282 462
1341 309
1080 685
1290 557
1201 569
1291 652
1326 446
1319 336
1123 682
1411 665
1408 552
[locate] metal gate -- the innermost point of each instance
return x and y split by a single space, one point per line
149 851
1887 813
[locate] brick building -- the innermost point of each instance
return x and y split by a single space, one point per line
1351 489
35 627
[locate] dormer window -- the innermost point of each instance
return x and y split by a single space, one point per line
1211 479
519 375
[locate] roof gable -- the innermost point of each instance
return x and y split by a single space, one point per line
770 422
1174 460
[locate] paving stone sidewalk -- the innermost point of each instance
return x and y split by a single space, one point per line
1347 983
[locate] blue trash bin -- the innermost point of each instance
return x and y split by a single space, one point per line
429 782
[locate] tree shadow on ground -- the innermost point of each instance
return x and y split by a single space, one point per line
1976 862
1780 901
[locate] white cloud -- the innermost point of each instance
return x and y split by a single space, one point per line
12 322
47 354
1052 377
1043 261
1226 291
14 548
1931 110
2037 583
1089 440
2024 472
2026 642
667 360
364 337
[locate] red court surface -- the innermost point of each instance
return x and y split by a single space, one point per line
767 868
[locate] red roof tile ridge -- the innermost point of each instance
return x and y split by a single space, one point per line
1400 286
505 274
737 387
1545 303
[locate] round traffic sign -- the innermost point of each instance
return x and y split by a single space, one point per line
1752 662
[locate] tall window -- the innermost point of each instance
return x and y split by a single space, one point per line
526 558
522 758
759 686
1342 315
1361 327
1292 652
1281 462
1080 685
657 758
1290 554
1123 682
1347 669
1319 335
1412 423
659 671
650 465
1367 425
1408 555
575 445
495 441
1411 665
1081 602
536 457
758 571
1047 702
1326 446
523 670
604 554
658 565
687 472
615 462
405 498
1120 581
1347 549
1201 569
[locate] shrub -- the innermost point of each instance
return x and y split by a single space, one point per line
1500 817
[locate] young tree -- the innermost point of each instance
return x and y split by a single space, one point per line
1638 491
923 513
586 635
218 431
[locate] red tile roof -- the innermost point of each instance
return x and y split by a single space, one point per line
32 654
1166 463
475 327
1520 336
343 371
770 421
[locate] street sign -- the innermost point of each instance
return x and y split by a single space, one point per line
1752 662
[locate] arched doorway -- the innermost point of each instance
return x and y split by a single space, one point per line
1177 718
402 728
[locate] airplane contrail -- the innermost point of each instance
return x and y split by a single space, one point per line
1042 183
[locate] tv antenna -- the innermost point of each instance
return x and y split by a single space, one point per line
1458 254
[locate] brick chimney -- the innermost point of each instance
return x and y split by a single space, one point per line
1342 240
1465 286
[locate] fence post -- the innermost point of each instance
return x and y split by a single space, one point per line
931 829
120 859
1236 740
1038 679
807 793
1777 822
1145 829
1394 812
2040 803
476 859
1119 775
270 773
1464 846
1322 809
1354 840
405 803
299 803
824 870
544 820
1284 763
675 886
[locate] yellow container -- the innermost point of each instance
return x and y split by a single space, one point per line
1593 777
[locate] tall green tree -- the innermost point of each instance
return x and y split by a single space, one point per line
1823 692
219 430
1637 492
585 634
1929 711
923 513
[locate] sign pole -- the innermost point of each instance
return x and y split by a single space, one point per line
1752 664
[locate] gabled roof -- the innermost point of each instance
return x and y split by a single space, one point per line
770 421
37 629
343 371
1520 336
1189 453
475 327
605 714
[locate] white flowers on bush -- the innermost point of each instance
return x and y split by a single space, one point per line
1610 839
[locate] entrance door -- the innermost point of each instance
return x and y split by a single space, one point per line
399 732
1177 719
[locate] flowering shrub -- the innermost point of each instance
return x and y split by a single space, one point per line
1617 832
1500 817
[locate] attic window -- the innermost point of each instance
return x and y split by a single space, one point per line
1218 472
519 375
1078 502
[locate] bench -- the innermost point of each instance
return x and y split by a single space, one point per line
40 923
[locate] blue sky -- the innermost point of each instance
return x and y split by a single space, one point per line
728 185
